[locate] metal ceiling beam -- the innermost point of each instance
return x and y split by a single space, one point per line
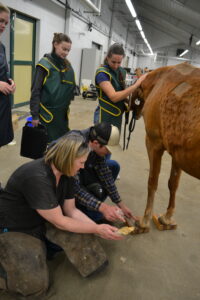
163 30
157 11
184 4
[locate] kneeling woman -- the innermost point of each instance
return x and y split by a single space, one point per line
38 203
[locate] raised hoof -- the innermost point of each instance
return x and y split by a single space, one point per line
160 226
138 229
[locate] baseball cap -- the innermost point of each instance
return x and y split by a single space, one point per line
107 135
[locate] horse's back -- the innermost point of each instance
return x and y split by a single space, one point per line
172 114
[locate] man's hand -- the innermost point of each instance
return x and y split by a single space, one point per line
111 213
5 88
126 211
108 232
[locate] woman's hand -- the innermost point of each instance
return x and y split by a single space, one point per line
12 85
139 81
108 232
5 88
35 123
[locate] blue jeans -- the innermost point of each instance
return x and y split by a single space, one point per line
114 166
96 215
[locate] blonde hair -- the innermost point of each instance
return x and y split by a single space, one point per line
4 8
63 154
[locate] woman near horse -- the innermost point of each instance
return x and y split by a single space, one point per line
53 88
110 83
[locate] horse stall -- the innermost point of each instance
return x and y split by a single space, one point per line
158 265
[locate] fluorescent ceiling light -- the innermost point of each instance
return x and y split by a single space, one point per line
183 53
134 15
150 49
138 24
142 34
197 43
131 8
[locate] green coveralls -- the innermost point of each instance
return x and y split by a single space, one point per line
112 112
57 93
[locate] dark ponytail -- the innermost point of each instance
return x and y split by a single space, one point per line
114 49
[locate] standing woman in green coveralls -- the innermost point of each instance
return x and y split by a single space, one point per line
53 88
110 83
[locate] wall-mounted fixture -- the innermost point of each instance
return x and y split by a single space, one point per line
81 33
90 27
95 8
184 52
179 51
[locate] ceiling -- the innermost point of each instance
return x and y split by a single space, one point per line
166 23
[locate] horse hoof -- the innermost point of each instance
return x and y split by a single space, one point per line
138 229
160 225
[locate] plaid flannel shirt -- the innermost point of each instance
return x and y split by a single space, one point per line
105 177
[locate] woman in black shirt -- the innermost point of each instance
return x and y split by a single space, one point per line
40 195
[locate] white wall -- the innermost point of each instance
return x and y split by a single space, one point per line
51 18
82 38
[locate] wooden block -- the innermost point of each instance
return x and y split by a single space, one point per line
162 227
15 119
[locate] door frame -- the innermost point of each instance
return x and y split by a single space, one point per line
13 62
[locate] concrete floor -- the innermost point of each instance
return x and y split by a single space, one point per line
154 266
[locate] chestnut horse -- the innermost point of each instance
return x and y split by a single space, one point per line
170 105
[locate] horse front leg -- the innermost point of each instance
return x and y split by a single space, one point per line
173 182
155 152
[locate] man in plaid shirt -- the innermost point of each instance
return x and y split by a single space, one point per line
96 181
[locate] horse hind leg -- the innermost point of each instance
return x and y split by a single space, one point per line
173 182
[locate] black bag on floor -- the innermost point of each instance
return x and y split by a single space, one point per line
34 141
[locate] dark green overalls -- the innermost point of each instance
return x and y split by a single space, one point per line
57 93
112 112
